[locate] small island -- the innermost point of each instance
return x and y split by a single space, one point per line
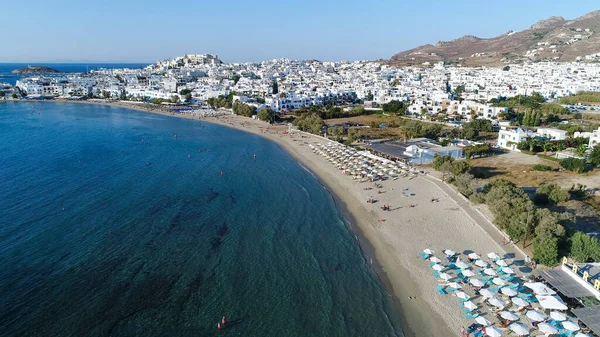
36 70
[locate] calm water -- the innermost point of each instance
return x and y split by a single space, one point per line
6 68
103 234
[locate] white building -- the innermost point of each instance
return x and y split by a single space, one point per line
509 137
552 134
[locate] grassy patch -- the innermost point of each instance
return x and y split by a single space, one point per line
543 156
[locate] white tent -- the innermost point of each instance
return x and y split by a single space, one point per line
558 316
483 321
547 328
535 315
509 316
493 331
539 288
495 301
570 325
519 329
552 302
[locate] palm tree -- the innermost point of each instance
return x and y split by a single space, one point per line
547 147
580 150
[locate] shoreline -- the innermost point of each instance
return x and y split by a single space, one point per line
392 244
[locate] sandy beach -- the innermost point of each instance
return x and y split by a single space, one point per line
393 238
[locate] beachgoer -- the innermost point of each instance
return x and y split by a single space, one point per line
527 259
462 330
219 326
223 321
503 241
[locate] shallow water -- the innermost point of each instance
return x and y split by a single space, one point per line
111 226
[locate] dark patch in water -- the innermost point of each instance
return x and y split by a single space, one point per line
222 230
215 243
212 195
232 199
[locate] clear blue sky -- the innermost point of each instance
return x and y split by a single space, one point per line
146 31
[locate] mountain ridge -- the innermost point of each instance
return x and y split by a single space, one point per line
553 38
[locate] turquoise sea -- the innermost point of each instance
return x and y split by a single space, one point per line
118 223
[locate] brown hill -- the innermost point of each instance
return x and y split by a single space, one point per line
551 39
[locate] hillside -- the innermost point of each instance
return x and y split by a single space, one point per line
551 39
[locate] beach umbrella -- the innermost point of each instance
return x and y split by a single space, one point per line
493 331
535 315
489 271
519 302
454 285
498 281
581 334
467 273
462 295
509 316
461 265
508 270
435 259
487 293
558 316
495 301
493 256
547 328
470 305
519 329
474 256
501 263
445 276
437 267
476 282
552 302
481 263
483 321
570 325
508 292
449 252
539 288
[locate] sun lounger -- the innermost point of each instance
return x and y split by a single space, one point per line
466 311
565 333
478 333
435 273
441 290
475 315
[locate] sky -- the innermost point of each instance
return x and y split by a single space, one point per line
239 31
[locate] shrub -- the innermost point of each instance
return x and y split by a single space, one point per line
584 248
546 193
573 164
545 250
465 184
478 198
539 167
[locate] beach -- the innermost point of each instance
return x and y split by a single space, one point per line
392 238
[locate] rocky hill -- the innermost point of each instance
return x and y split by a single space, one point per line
551 39
35 70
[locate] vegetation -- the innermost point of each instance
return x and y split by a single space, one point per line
540 167
309 122
472 129
395 106
184 92
478 150
243 109
550 193
219 102
267 115
573 164
447 164
582 97
594 156
330 111
584 248
275 87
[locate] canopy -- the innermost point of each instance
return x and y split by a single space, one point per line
462 294
481 263
489 271
467 273
570 325
495 301
461 265
454 285
437 267
449 252
493 331
509 292
435 259
519 302
519 329
493 256
501 263
482 320
547 328
474 256
552 302
498 281
445 276
509 316
558 316
470 305
508 270
487 293
535 315
540 288
476 282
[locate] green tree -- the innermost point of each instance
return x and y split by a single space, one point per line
369 96
236 79
184 92
175 99
584 248
545 250
394 106
188 97
550 192
14 96
123 96
264 115
573 164
275 87
105 94
594 156
580 150
2 93
506 68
